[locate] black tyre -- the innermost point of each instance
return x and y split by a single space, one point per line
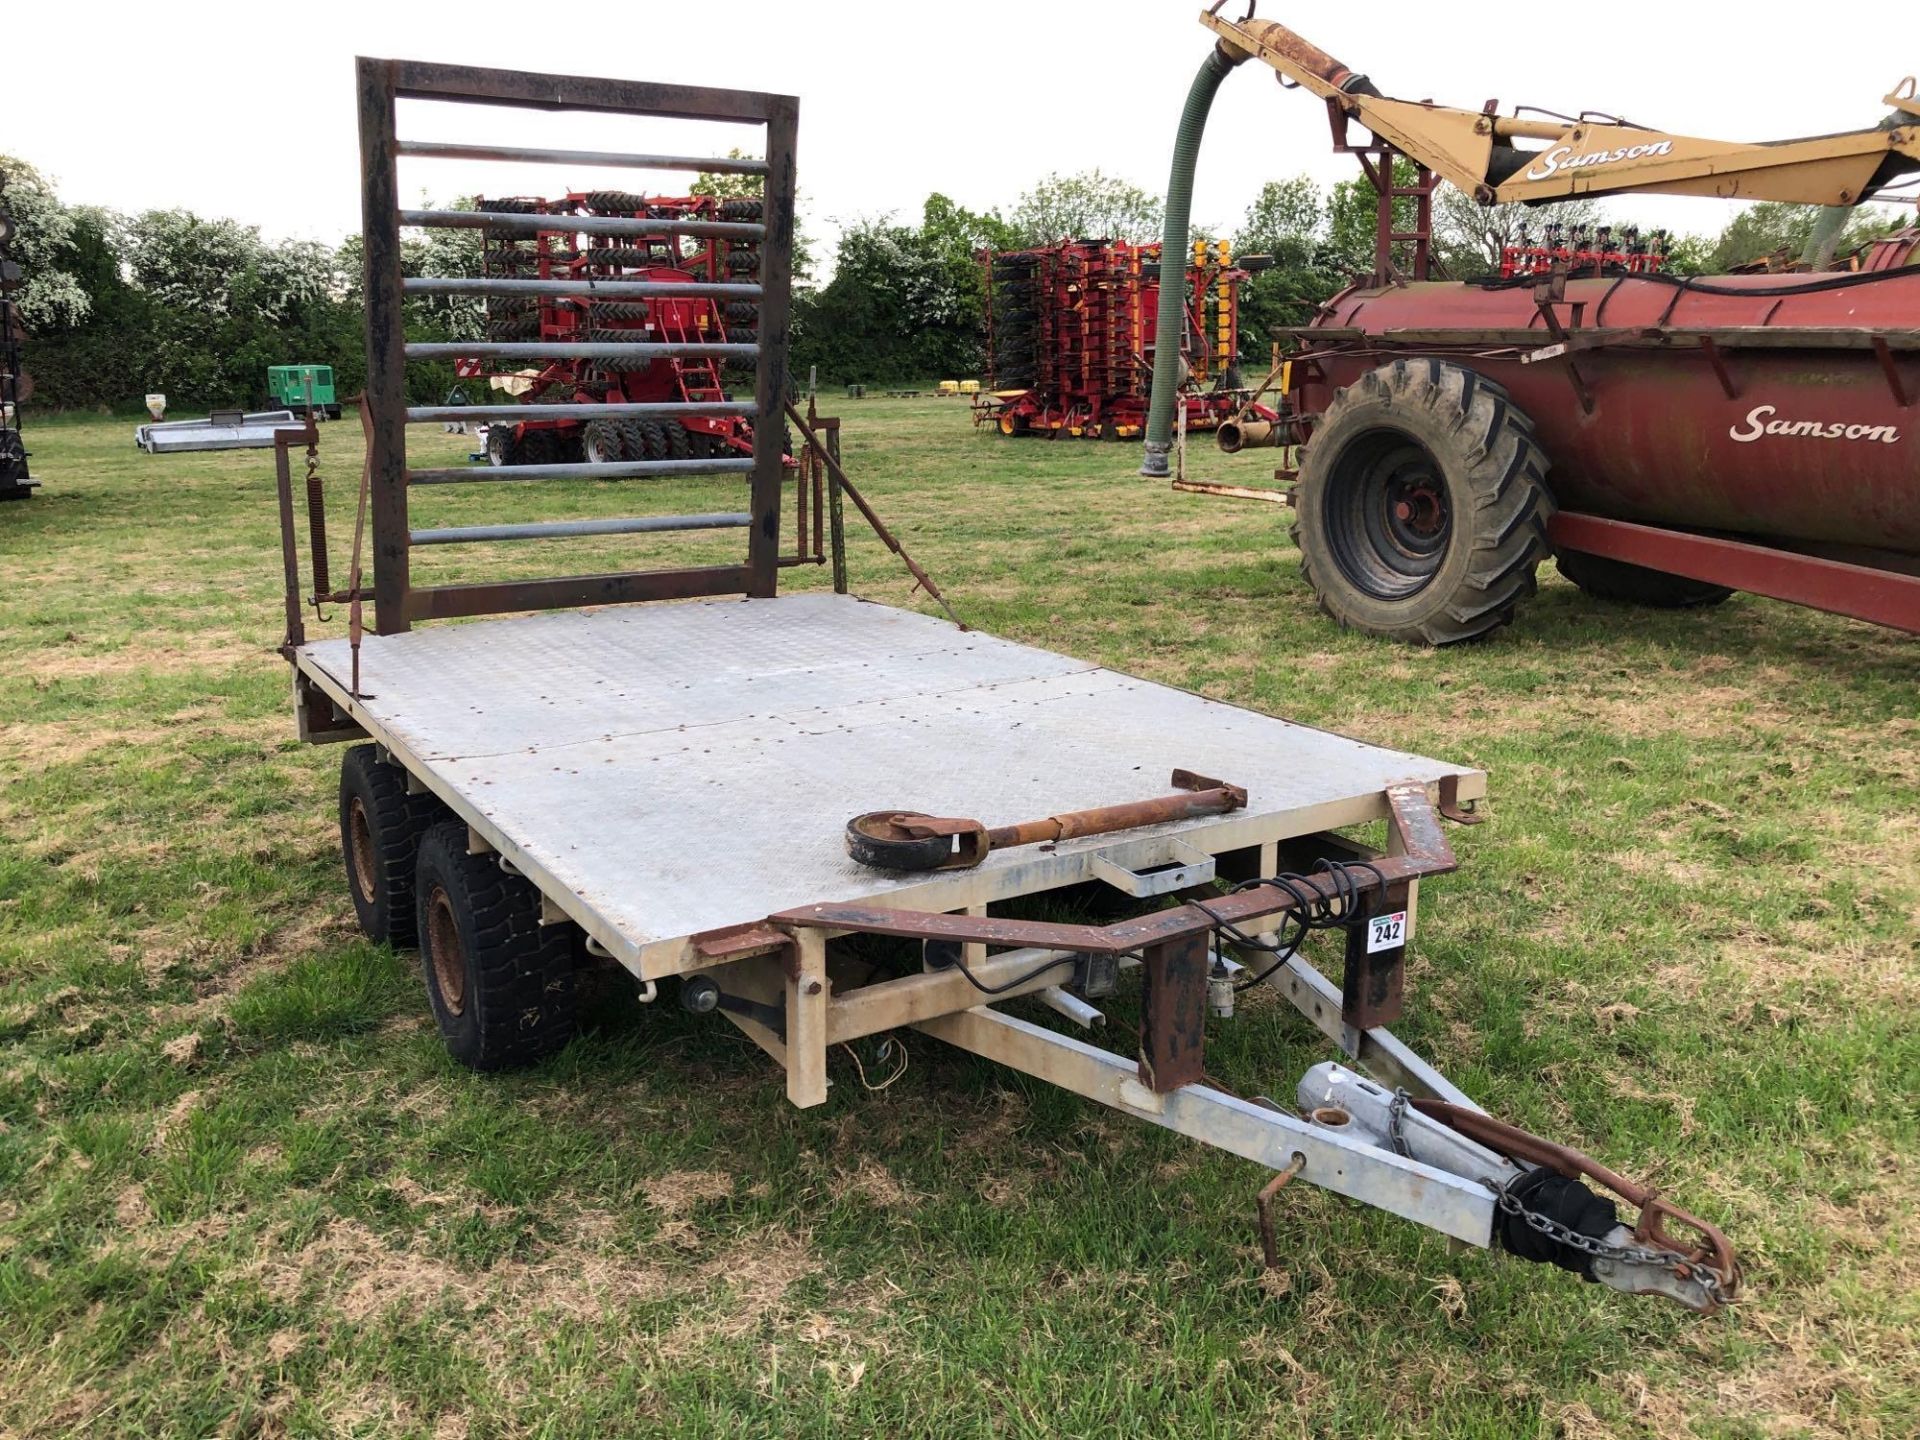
1422 505
679 443
633 445
653 441
600 442
501 983
1636 585
502 447
380 830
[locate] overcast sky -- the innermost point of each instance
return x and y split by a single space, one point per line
237 110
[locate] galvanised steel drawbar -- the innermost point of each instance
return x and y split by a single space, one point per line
398 603
702 794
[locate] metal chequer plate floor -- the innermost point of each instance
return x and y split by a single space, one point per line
662 771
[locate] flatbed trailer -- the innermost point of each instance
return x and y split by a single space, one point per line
688 790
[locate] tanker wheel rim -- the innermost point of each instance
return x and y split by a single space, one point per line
1390 517
361 852
449 956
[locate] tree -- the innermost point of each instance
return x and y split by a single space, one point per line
728 186
1771 228
1289 223
50 297
1087 206
1470 237
905 302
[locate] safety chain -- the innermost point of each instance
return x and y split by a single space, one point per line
1711 1280
1396 1124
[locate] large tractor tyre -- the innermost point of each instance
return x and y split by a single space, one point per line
600 442
380 830
653 441
502 447
633 445
1636 585
679 444
501 983
1422 506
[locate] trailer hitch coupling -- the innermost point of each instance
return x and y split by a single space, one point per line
909 841
1546 1212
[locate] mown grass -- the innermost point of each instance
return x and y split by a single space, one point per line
242 1191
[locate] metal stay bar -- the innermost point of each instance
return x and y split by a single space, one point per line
574 529
582 224
574 350
584 287
622 410
522 155
618 470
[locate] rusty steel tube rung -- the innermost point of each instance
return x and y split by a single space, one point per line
586 287
616 470
573 350
641 410
1111 818
576 529
605 159
580 224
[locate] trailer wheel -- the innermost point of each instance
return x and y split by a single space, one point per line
600 442
502 448
1636 585
380 830
501 983
1422 506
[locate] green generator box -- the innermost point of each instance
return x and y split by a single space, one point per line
294 387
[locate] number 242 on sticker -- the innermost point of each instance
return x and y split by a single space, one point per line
1386 932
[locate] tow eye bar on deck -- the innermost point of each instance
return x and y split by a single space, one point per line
902 840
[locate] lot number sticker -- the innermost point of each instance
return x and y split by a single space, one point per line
1386 932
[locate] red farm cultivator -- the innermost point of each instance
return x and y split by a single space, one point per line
564 338
1070 338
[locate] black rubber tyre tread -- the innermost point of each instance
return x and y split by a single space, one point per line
633 445
635 336
619 255
679 443
743 312
395 823
519 1003
515 205
742 208
502 448
1635 585
616 202
617 310
653 440
743 262
1496 475
514 328
605 436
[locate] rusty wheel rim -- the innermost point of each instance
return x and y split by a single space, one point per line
360 852
448 956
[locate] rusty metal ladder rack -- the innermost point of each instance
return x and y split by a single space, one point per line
398 602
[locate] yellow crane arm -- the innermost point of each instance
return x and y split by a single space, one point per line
1478 150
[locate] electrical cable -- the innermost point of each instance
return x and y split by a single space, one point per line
1311 911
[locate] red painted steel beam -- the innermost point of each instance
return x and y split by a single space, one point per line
1882 597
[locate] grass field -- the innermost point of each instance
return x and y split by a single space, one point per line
243 1192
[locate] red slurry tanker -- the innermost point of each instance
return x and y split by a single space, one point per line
1666 440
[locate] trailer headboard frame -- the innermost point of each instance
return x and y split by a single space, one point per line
398 603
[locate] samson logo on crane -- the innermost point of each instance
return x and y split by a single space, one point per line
1761 424
1561 157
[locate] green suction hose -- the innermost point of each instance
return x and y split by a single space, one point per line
1173 257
